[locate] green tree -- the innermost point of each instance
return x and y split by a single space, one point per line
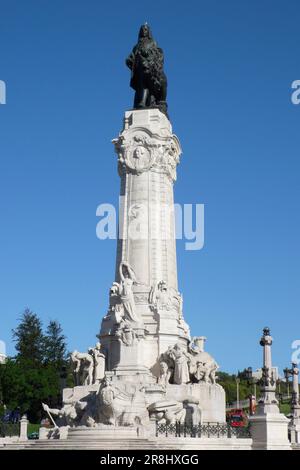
26 385
29 337
35 374
228 382
55 345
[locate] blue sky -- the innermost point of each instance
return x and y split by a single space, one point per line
230 65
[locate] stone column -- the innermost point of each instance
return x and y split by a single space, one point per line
268 402
295 375
269 427
23 428
148 154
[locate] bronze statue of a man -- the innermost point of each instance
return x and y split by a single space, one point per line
148 79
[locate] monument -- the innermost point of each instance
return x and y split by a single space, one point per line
146 369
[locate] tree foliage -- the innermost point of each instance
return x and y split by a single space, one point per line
55 344
34 375
29 337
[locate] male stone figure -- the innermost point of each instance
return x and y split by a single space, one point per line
74 412
202 365
83 366
148 79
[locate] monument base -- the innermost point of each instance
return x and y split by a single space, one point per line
270 432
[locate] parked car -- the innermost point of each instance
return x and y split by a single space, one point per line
237 418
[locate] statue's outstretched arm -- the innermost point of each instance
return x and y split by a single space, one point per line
121 271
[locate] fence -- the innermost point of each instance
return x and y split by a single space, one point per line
9 429
209 430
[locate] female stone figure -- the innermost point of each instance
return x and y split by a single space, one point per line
99 363
181 364
127 277
165 374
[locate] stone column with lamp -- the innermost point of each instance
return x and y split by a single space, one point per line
269 427
294 426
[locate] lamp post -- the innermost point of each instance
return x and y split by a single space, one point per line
295 402
294 425
251 379
237 392
268 402
287 374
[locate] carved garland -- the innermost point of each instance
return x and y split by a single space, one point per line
140 153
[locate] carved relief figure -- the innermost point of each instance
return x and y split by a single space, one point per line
118 407
165 298
160 296
141 158
126 334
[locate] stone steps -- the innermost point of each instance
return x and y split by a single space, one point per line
134 444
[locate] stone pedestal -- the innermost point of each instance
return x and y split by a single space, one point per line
270 432
211 399
23 428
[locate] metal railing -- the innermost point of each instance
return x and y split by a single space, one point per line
209 430
9 429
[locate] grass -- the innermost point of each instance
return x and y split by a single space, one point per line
33 428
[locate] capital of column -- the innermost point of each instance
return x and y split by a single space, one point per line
266 339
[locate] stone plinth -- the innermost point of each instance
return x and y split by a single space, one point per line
211 399
270 432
